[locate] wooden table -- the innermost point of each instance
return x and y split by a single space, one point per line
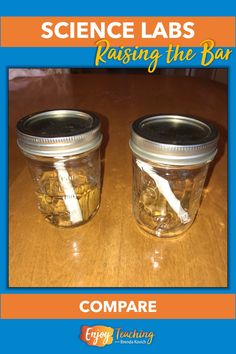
110 250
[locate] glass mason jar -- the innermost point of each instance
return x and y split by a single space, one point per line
171 155
62 148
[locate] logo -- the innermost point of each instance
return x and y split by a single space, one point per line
100 336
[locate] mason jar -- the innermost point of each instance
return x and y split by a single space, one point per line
171 155
62 148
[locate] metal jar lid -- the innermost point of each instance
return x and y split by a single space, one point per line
58 132
174 139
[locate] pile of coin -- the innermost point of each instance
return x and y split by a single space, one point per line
51 197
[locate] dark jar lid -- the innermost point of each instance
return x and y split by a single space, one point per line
174 139
58 132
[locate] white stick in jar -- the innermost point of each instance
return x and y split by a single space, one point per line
70 197
164 188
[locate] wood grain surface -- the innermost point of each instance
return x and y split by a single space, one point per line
110 250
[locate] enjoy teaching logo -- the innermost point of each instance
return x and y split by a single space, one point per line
98 336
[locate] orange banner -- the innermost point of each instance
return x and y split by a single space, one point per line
120 31
117 306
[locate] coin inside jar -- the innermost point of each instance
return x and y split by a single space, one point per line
51 199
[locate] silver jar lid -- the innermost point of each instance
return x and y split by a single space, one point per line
174 139
58 132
